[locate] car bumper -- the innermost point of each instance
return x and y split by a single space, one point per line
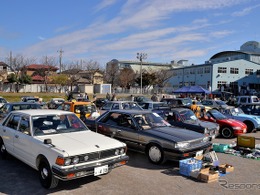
179 155
239 132
87 170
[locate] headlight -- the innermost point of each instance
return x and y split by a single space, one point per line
75 160
67 161
122 151
206 131
117 152
182 145
86 158
205 139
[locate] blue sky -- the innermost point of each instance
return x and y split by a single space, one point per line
102 30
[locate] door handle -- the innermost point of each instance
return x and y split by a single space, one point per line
16 136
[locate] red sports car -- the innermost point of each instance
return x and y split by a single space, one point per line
228 127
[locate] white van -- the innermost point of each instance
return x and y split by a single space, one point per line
250 99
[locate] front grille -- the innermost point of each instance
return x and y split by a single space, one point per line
97 155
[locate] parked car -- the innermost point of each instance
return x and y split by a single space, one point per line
29 99
147 132
185 118
228 127
58 145
247 99
120 105
251 109
10 106
178 102
55 102
2 101
81 109
214 104
141 98
252 122
100 102
158 107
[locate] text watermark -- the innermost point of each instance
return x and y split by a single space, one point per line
238 186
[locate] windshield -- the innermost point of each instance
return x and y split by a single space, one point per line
57 124
217 115
131 106
235 111
150 120
87 108
188 115
221 103
187 102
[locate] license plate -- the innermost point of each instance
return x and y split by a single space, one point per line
100 170
199 153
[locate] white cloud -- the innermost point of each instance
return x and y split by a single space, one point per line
104 4
245 11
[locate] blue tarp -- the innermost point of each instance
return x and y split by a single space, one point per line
191 89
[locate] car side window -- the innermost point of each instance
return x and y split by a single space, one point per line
25 126
125 121
13 122
115 107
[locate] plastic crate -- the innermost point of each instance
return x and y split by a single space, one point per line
220 147
188 165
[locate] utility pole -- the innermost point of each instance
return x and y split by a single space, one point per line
61 51
141 57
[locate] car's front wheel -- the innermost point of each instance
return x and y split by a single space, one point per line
3 152
46 176
227 132
155 154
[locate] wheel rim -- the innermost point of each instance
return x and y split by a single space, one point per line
44 173
3 148
226 132
155 154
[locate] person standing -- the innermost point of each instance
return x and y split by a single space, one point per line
86 96
108 96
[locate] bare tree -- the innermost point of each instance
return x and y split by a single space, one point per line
126 78
162 76
112 72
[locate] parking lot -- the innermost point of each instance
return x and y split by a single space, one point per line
139 177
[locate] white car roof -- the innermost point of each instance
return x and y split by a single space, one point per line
38 112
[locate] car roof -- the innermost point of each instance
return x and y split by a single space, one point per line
21 103
131 111
79 103
179 109
37 112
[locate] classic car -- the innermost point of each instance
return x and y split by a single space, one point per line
228 127
10 106
178 102
185 118
81 109
55 102
58 145
214 104
158 107
147 132
120 105
252 122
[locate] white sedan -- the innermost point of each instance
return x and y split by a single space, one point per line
59 145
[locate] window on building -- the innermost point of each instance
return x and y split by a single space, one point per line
221 83
192 83
234 70
200 71
186 72
207 69
208 84
258 72
192 71
249 71
180 84
222 69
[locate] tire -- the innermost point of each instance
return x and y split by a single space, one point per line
227 132
3 152
47 179
155 154
250 126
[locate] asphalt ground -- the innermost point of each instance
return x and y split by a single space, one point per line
139 176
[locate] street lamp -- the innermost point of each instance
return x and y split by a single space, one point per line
141 57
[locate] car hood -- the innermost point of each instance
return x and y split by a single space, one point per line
205 124
82 142
233 122
174 133
247 116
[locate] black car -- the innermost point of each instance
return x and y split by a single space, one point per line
185 118
8 107
253 109
147 132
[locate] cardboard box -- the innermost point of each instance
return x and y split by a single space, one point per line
246 141
225 168
195 174
208 176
